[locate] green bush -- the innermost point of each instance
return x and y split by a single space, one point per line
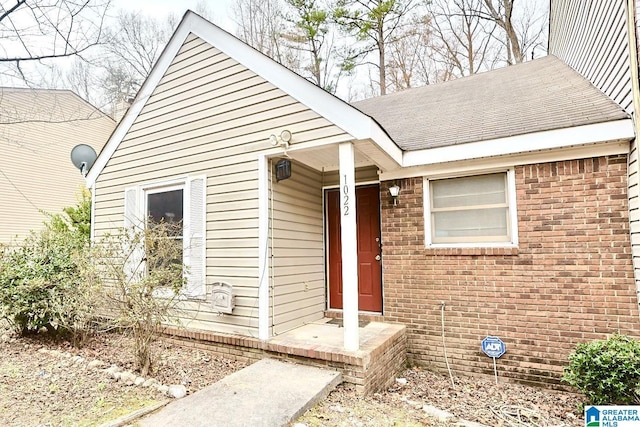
606 371
41 280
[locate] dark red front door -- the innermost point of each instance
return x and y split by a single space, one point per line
369 265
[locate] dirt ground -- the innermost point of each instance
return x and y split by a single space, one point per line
478 400
44 383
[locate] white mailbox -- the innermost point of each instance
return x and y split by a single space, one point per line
222 298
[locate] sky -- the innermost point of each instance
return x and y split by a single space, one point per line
220 9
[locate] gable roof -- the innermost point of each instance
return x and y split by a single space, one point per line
535 96
22 105
343 115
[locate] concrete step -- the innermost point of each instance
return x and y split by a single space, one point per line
268 393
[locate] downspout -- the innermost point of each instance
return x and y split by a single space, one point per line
263 248
272 276
635 88
92 229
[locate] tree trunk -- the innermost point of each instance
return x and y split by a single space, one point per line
504 21
381 62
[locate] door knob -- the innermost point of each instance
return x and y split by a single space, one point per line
377 257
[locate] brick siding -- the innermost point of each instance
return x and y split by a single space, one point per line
569 280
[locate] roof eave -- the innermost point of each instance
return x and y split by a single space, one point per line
547 140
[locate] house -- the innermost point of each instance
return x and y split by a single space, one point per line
511 218
38 129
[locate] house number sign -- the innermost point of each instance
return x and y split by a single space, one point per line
345 193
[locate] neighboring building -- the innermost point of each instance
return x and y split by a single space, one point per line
512 218
38 129
599 40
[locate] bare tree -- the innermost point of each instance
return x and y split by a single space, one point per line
260 25
83 78
136 42
114 73
465 41
406 56
132 47
376 23
523 29
44 30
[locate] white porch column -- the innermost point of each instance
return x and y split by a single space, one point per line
349 239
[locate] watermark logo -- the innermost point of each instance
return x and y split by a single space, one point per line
592 417
612 416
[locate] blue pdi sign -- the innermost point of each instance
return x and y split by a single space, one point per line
493 347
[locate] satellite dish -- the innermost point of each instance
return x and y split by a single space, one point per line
83 157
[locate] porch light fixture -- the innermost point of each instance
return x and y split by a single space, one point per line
282 140
394 191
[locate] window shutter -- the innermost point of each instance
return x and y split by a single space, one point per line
195 237
133 265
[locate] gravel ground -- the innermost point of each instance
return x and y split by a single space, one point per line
44 383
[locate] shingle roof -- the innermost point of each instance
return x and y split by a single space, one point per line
534 96
20 105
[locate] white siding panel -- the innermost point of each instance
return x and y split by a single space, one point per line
298 294
210 116
187 60
225 96
591 37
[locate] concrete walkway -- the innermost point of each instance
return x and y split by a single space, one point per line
268 393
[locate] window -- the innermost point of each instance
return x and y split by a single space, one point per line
164 210
471 211
165 207
181 203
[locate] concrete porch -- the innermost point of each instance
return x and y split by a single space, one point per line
373 367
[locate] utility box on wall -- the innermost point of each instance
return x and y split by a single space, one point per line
283 169
222 298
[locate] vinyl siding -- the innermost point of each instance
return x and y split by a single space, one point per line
211 116
591 37
38 130
298 293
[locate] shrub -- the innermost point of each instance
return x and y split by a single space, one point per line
143 274
606 371
43 279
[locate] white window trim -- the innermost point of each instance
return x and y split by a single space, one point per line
146 191
181 183
161 187
511 203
